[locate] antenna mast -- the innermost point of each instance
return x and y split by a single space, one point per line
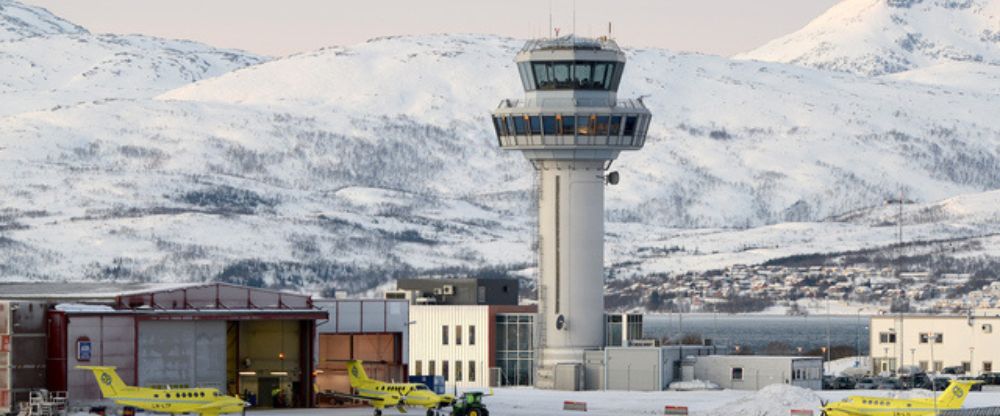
574 17
550 18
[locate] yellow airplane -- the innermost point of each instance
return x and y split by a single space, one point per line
204 402
952 398
381 394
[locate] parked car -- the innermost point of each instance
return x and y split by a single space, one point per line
956 370
916 381
866 383
889 384
843 383
990 378
940 383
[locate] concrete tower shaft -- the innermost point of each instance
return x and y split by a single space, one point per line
571 126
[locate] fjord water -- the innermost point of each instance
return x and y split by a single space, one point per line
757 331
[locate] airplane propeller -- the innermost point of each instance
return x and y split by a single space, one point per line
822 410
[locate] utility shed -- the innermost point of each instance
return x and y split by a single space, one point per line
637 368
238 339
752 372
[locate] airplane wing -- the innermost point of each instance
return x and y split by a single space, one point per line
386 398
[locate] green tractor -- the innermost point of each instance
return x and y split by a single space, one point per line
470 404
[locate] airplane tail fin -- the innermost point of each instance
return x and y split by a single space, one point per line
107 379
956 392
356 372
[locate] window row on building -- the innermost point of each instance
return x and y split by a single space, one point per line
925 337
570 75
458 334
570 125
446 368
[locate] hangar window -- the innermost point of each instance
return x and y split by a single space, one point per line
924 337
887 337
431 368
458 371
987 366
444 370
988 328
472 371
444 335
737 374
420 368
472 336
458 335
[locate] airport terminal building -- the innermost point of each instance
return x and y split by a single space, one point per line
253 342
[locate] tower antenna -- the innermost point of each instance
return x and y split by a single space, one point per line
574 17
550 18
609 29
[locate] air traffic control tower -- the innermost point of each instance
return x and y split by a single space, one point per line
571 126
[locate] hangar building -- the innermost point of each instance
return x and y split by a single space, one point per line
250 341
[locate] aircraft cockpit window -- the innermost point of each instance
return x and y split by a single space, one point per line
421 387
168 395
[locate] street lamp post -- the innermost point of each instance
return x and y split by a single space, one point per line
857 341
972 362
932 338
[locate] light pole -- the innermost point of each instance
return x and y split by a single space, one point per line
972 362
885 359
857 341
932 338
913 354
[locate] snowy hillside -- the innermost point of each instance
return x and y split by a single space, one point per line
349 166
47 61
876 37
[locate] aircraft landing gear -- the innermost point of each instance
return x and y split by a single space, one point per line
378 412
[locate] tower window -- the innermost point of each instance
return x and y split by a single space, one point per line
568 125
581 75
549 127
520 125
536 125
616 125
630 123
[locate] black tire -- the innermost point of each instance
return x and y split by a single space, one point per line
378 412
430 412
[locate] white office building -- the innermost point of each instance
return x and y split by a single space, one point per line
470 344
936 342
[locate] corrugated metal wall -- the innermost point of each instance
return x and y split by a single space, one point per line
113 343
182 353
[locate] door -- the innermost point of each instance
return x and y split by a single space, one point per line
265 387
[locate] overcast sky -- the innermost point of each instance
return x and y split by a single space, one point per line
282 27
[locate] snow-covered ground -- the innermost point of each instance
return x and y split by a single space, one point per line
774 400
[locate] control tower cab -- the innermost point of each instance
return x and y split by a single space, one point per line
571 126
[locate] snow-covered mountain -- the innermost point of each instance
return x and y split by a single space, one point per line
47 61
348 166
876 37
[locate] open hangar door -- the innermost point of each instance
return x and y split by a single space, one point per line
267 361
381 354
182 354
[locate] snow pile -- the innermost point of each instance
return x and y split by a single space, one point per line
80 307
693 385
773 400
848 365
